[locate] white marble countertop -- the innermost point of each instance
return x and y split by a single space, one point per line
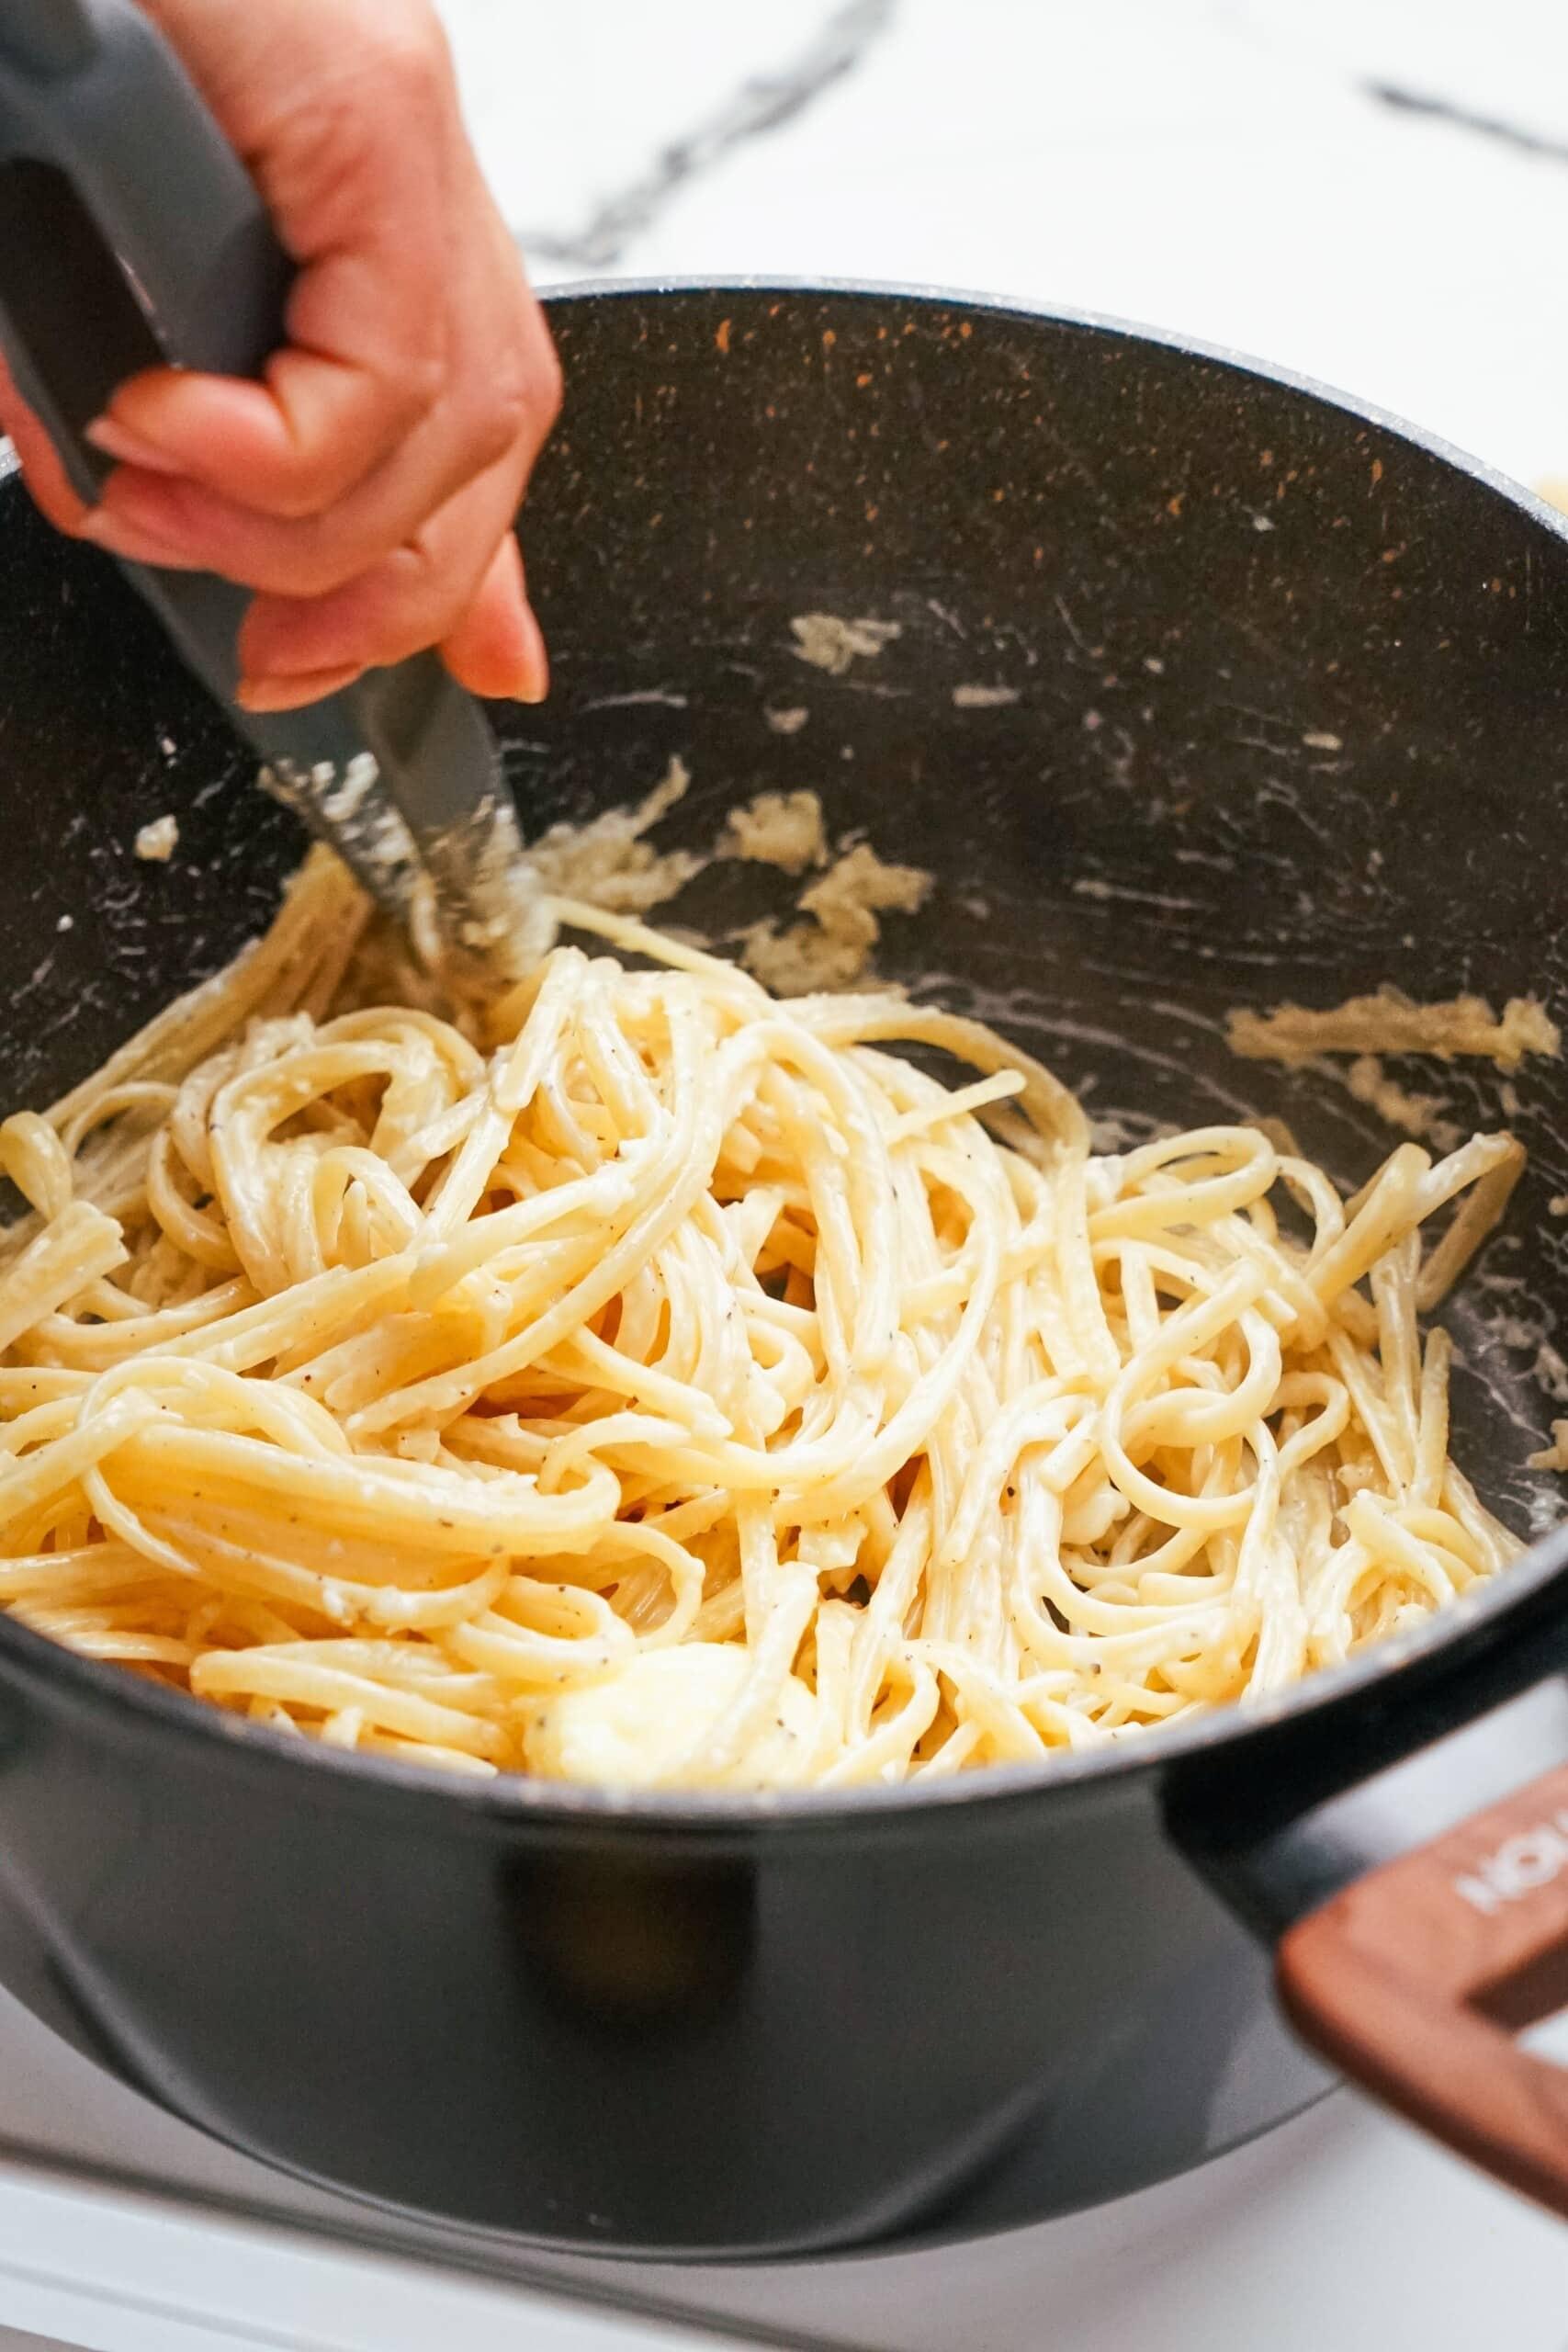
1374 192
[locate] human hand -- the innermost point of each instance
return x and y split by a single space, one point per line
367 487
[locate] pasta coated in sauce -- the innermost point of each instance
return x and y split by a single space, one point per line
652 1382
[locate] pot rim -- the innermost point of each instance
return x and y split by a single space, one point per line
1468 1623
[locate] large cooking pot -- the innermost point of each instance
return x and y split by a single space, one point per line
1275 705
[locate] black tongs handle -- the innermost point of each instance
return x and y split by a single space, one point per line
131 236
127 156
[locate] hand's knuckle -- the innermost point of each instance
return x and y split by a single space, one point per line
322 468
334 144
430 590
551 382
496 430
522 400
311 484
314 567
427 591
415 383
535 376
410 58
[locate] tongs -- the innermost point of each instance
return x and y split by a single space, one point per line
131 237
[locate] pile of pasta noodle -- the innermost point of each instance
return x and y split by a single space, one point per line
646 1380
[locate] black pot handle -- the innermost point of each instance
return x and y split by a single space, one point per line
1419 1908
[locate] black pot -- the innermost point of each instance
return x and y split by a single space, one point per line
1285 715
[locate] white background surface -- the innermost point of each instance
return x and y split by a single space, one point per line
1219 166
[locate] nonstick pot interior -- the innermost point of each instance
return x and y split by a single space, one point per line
1200 689
1207 691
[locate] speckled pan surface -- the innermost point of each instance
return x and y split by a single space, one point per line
1205 691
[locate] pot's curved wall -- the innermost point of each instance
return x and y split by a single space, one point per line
1203 692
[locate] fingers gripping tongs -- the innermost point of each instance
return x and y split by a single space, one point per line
131 237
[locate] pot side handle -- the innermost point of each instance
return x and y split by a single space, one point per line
1414 1979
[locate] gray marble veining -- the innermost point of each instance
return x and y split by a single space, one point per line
1517 135
764 101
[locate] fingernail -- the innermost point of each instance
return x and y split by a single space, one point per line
290 694
534 671
117 440
134 542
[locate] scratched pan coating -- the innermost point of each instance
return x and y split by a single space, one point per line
1203 695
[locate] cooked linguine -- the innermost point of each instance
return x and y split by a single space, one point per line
644 1380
